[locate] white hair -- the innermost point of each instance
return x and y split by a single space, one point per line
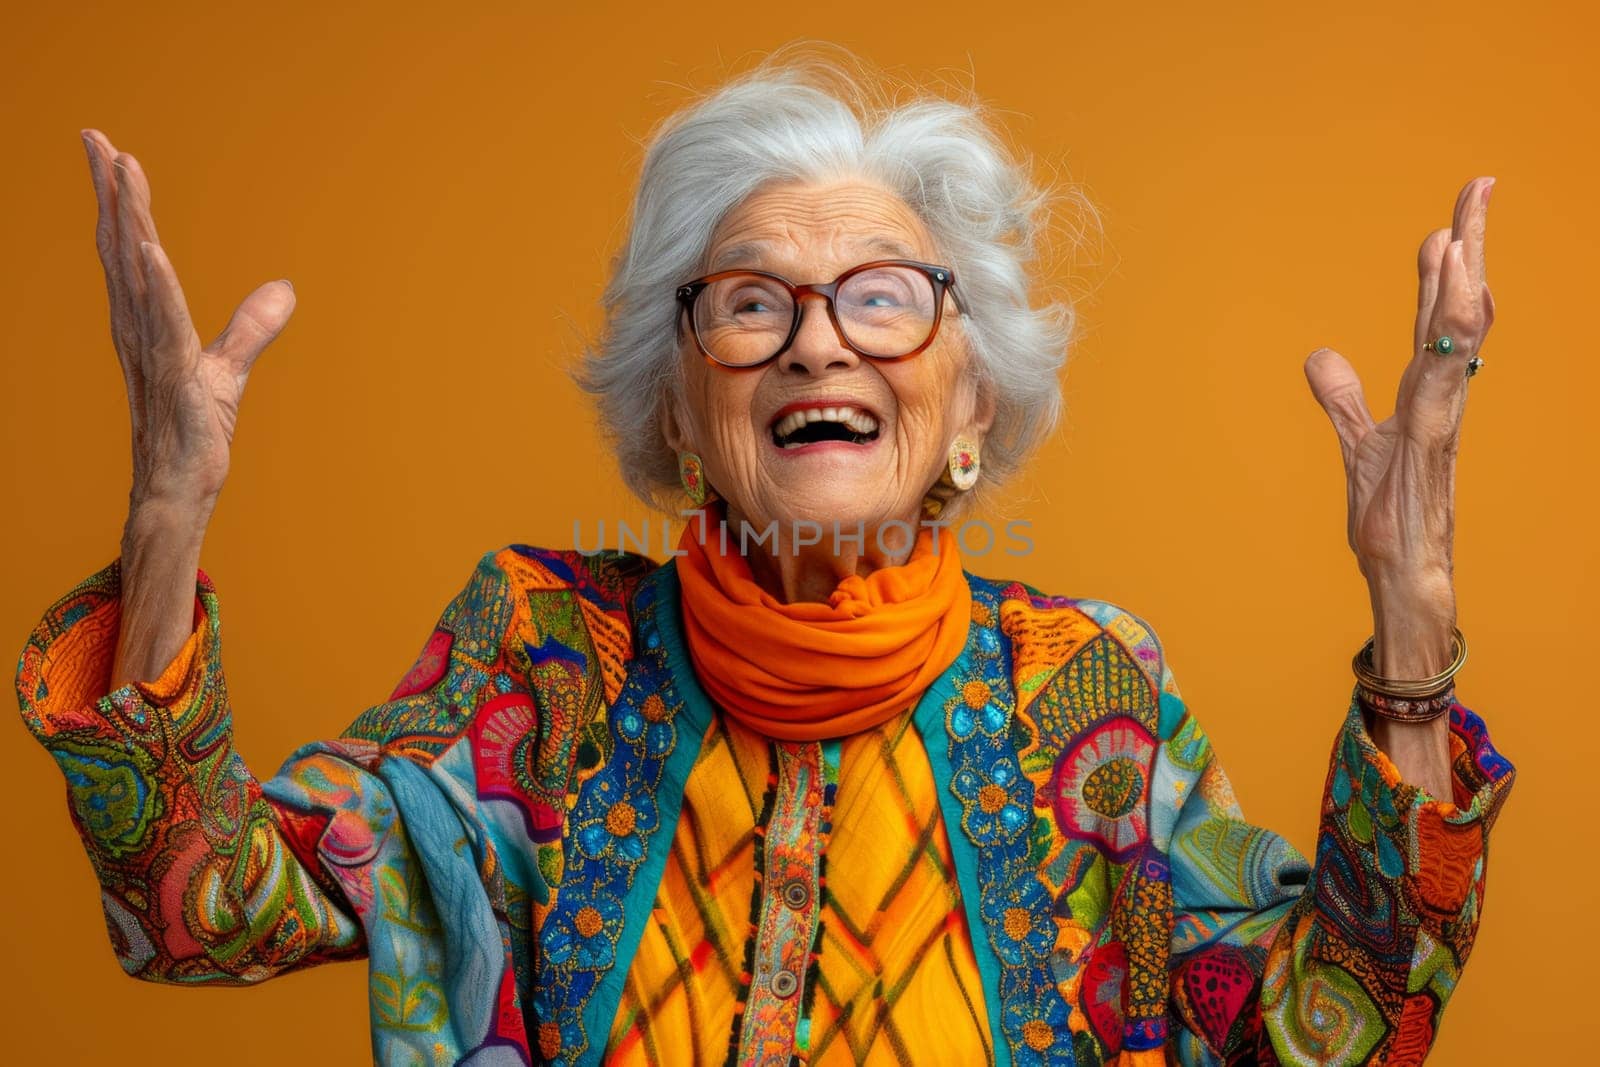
809 119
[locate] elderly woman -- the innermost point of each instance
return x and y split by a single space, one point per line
808 790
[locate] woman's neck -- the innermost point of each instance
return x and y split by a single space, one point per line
795 570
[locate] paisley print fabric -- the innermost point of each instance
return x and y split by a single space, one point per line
551 847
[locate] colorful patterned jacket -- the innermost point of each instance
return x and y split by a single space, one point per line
498 836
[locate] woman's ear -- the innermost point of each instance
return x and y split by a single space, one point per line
983 412
674 423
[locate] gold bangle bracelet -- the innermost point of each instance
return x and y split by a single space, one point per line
1406 689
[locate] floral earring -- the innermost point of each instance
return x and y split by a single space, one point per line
692 475
964 464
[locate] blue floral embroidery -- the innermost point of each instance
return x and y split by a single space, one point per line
996 816
1018 937
587 937
613 824
653 738
1019 1014
965 720
999 814
610 833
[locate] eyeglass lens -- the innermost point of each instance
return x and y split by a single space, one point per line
885 311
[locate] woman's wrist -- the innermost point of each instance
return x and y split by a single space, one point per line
169 502
1413 622
1413 619
160 557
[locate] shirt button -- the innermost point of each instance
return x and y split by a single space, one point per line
796 895
784 984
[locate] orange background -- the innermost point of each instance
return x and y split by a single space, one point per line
445 191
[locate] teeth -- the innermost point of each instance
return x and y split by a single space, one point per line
790 423
861 422
858 420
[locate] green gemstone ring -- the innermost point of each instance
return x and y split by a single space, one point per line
1444 346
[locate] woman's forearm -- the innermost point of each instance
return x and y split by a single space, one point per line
1413 621
160 557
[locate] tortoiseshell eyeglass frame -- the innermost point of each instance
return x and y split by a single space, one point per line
942 279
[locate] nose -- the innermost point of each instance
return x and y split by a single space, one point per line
817 346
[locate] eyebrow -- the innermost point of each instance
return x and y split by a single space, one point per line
745 251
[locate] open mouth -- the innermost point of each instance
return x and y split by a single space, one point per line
808 426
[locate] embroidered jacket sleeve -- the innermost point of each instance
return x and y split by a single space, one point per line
210 876
1350 959
207 875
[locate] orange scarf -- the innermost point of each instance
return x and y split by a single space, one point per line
808 671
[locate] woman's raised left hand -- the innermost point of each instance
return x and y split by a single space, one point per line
1400 473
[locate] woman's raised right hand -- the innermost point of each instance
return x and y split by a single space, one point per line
183 399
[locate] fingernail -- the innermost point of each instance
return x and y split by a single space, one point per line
287 282
1488 187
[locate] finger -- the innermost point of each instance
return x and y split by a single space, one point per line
131 232
1429 259
170 332
123 326
1458 312
137 198
256 322
135 223
1337 388
1438 382
1485 300
1469 223
105 197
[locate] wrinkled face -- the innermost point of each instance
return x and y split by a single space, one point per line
886 427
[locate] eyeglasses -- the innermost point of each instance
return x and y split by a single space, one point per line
887 309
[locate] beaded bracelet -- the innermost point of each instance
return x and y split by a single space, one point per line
1405 709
